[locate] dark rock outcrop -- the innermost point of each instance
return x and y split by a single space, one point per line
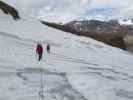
7 9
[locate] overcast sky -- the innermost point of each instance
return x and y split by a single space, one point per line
67 10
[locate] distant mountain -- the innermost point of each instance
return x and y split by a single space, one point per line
91 27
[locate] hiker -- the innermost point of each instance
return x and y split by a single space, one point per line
48 48
39 51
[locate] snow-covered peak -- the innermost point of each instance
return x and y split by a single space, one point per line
125 22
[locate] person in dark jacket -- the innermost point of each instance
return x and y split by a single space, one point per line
39 51
48 48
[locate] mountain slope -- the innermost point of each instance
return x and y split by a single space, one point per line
78 68
112 32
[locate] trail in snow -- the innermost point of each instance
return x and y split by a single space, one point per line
56 85
27 80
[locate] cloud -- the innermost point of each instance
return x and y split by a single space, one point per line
62 10
111 9
126 9
67 10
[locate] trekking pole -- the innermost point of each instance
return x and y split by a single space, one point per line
42 91
36 56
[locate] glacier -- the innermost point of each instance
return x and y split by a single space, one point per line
78 68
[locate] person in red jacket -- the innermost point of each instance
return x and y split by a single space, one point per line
39 51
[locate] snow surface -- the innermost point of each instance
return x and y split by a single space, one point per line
78 68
